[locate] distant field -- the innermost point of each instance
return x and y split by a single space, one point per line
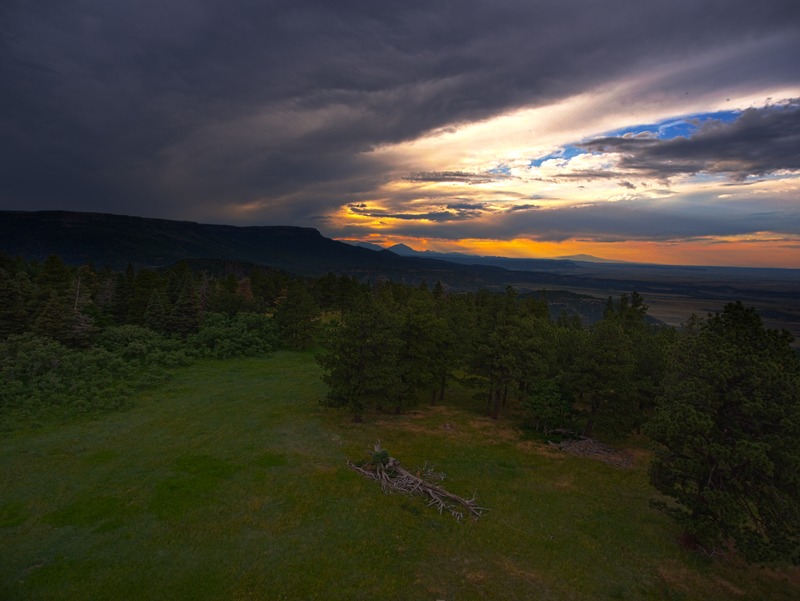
778 309
230 482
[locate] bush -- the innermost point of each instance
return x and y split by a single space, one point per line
221 336
39 373
143 347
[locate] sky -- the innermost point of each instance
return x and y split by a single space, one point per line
664 132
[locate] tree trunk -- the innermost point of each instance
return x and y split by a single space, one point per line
489 404
441 389
433 400
357 418
397 410
496 412
505 395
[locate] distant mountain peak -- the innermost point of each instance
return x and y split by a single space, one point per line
403 250
588 259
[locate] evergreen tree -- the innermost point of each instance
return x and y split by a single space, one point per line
325 291
155 317
602 371
230 284
184 318
144 283
205 290
729 423
15 301
360 358
297 316
420 334
54 276
243 289
120 299
54 321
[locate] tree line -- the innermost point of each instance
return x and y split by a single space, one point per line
397 341
720 397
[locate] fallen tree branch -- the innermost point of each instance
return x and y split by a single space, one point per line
395 478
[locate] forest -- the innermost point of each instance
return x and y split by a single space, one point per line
719 398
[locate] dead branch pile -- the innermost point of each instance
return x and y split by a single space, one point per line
588 447
395 478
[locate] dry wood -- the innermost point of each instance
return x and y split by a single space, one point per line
588 447
395 478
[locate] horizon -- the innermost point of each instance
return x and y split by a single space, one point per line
508 129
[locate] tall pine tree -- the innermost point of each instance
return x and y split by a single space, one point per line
184 318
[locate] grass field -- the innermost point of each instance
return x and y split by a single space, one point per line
229 482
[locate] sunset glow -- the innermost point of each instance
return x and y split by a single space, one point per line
521 130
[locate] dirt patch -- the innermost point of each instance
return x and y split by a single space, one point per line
678 577
442 410
419 429
476 577
790 575
639 456
515 570
530 447
564 482
494 432
682 578
728 586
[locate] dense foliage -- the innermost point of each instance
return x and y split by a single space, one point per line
729 423
77 340
396 341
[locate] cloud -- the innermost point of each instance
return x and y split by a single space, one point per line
170 102
334 114
759 142
456 176
460 213
521 208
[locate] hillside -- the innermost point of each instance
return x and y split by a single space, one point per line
673 292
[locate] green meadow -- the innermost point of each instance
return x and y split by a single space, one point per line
229 482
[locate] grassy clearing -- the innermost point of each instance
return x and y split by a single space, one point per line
230 482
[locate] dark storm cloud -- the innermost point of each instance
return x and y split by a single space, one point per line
759 142
198 109
456 213
468 206
456 176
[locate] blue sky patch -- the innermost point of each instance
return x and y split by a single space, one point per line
674 128
664 130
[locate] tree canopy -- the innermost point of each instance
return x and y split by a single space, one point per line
729 425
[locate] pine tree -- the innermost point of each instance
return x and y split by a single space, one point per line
120 299
420 331
145 282
54 321
297 316
729 423
184 318
155 317
243 288
15 300
360 359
